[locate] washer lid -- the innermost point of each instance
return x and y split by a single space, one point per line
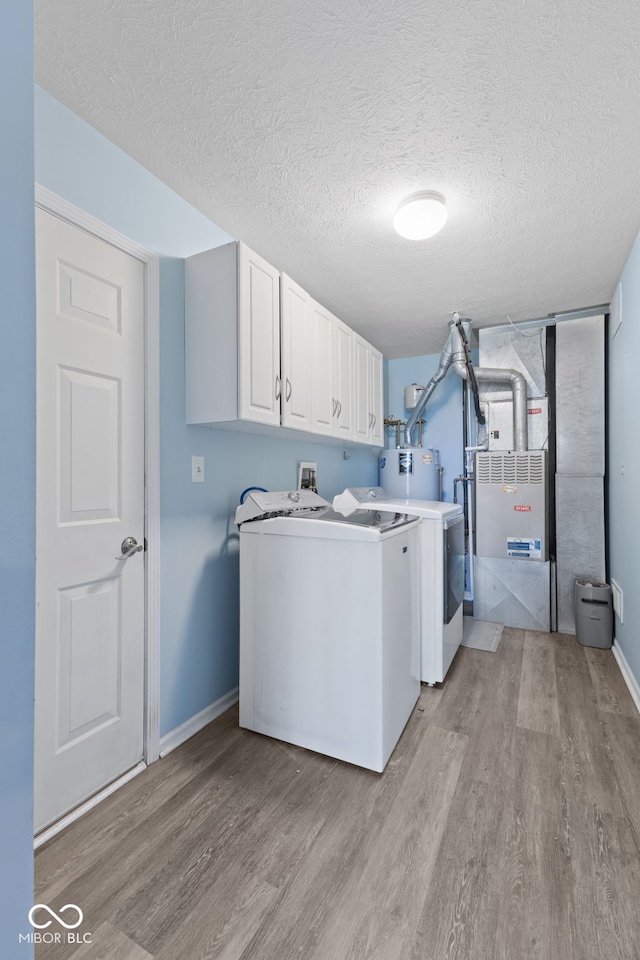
354 497
381 520
375 498
329 525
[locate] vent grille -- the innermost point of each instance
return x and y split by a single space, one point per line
510 468
483 471
504 470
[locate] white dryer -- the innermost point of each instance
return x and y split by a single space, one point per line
441 571
329 632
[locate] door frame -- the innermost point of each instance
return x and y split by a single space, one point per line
52 203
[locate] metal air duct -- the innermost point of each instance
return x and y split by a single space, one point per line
512 378
446 358
453 355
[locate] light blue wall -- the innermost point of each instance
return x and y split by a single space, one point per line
17 476
199 562
76 162
624 461
444 428
199 539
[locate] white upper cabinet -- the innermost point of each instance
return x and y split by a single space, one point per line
377 398
232 337
296 354
323 403
259 327
362 391
260 350
369 426
332 371
343 379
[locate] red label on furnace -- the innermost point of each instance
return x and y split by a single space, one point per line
535 410
522 508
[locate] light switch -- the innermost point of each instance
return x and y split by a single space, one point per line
197 469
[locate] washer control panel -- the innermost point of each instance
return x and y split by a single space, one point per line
260 503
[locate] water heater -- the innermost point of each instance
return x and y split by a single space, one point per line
411 473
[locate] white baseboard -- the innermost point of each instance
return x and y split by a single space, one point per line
187 729
87 805
627 674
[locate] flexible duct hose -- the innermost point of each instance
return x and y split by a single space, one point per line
471 377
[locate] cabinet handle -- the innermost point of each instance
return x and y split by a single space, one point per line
278 387
375 420
370 420
335 406
288 389
339 409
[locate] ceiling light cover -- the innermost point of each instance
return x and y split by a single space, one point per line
421 215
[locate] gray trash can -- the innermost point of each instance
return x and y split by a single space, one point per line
593 607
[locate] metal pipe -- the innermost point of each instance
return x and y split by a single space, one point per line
470 435
453 356
513 378
397 424
518 386
446 358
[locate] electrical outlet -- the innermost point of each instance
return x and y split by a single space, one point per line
618 601
197 469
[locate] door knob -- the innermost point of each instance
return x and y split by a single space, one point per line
129 546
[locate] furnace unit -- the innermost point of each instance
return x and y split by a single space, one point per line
511 505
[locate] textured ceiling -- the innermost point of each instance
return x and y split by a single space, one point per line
297 126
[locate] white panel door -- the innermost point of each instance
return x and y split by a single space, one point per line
377 398
362 415
323 402
343 377
295 354
90 496
259 336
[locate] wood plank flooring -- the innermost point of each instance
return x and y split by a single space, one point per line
505 827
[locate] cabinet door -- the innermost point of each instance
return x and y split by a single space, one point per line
296 342
323 403
259 338
377 394
362 415
343 338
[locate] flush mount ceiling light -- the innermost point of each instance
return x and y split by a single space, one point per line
420 215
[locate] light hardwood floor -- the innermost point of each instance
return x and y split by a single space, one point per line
505 827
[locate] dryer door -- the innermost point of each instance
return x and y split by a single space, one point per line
453 566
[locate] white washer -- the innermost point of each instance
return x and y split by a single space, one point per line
441 573
329 632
